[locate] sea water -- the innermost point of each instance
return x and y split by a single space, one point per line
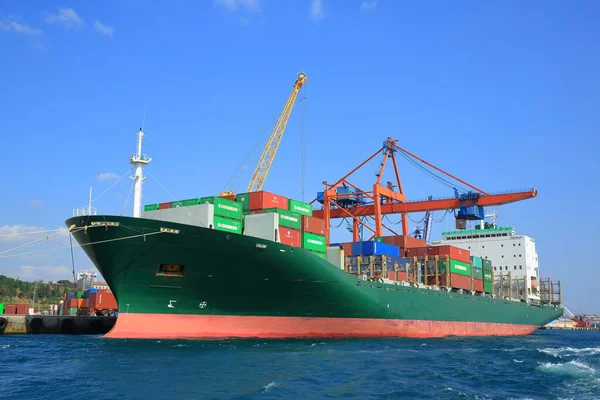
545 365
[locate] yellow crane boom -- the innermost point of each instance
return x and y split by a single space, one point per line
268 155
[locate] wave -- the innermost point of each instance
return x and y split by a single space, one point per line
574 369
268 387
570 351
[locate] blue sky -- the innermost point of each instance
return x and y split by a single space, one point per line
504 96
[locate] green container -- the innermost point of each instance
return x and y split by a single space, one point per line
150 207
2 308
456 267
287 218
319 254
228 225
488 287
379 239
477 262
223 207
487 264
244 199
313 242
300 207
73 311
478 273
80 295
191 202
487 276
176 204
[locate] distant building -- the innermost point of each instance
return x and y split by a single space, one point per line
85 280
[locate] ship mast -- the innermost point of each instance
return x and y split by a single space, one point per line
139 160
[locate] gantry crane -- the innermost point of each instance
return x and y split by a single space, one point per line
344 199
268 155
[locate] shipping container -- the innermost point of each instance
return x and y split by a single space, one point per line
379 239
223 207
261 200
228 225
244 200
2 308
10 309
347 248
79 294
335 255
102 303
488 287
456 281
487 264
478 273
201 215
287 218
290 237
164 206
488 276
456 267
313 225
72 311
176 204
477 262
455 253
411 242
300 207
263 226
151 207
375 248
313 242
191 202
22 309
478 285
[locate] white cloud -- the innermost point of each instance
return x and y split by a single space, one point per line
8 24
368 5
107 176
316 10
66 17
44 272
234 5
36 203
104 29
19 233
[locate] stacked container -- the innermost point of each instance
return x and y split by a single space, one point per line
374 259
477 268
488 276
227 214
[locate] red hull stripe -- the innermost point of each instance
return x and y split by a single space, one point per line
163 326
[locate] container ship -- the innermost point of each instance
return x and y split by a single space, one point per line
259 265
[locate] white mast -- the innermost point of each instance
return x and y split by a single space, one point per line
140 161
89 209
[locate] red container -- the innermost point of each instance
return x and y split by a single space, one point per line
478 285
22 309
456 281
262 200
256 212
313 225
10 309
401 276
291 237
102 301
347 249
455 253
163 206
398 241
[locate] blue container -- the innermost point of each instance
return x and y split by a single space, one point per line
477 262
335 245
93 290
375 249
471 213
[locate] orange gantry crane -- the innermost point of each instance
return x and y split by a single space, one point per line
343 199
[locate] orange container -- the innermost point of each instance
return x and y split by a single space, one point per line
291 237
163 206
261 200
478 285
456 281
313 225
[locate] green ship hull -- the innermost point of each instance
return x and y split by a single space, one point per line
180 281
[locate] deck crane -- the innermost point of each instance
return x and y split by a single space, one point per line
343 199
268 155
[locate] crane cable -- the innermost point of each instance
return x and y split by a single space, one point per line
432 174
303 136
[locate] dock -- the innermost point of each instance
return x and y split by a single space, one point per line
62 324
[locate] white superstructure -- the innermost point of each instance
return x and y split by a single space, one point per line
510 253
